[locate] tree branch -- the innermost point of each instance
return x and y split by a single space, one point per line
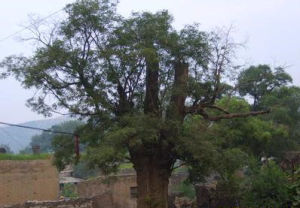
217 108
237 115
199 109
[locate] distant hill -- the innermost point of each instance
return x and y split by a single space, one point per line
18 138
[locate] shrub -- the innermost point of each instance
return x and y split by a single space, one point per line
267 188
69 191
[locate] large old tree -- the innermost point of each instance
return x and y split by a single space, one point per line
136 80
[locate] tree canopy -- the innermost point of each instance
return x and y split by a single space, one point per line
260 80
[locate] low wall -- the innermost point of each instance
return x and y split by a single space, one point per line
121 187
76 203
117 186
21 181
80 203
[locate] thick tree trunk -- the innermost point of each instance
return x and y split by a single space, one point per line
176 109
153 168
152 181
151 103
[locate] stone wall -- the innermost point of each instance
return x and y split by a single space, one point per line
21 181
94 202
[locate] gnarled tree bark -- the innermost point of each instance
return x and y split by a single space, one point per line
153 175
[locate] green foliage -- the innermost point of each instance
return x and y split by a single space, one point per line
252 135
267 187
258 81
133 131
69 191
234 104
229 191
198 151
226 146
107 158
229 161
64 151
186 189
284 104
82 170
234 143
24 157
294 188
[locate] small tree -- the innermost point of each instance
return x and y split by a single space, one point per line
136 80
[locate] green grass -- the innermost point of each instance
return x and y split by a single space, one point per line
24 157
126 166
182 169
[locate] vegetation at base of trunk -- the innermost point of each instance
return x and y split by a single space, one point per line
151 95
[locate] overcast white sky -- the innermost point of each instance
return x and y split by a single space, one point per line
270 27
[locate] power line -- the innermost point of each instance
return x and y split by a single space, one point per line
76 137
39 129
27 27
